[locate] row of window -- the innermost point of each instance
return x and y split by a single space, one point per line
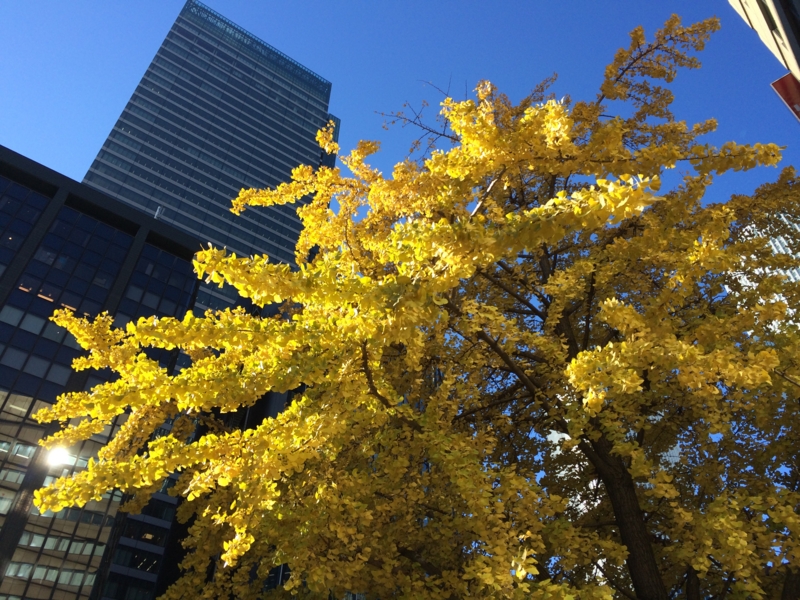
194 157
47 360
166 168
70 577
179 162
136 559
259 59
89 517
61 544
24 451
186 222
145 532
150 292
190 138
226 143
266 57
233 112
121 587
249 123
186 143
20 208
265 168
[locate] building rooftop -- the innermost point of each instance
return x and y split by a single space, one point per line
258 49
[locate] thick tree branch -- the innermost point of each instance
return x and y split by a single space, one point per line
791 585
614 583
374 390
587 328
414 557
487 192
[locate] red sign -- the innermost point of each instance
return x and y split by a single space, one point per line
788 89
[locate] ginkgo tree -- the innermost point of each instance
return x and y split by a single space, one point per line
526 370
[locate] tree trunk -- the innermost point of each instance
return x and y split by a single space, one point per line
791 585
692 585
621 490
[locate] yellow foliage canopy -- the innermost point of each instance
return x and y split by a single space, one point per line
525 371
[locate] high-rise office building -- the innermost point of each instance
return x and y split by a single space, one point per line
64 244
777 23
216 111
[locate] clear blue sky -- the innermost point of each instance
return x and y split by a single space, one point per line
68 68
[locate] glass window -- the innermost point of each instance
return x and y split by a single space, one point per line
85 272
104 231
86 223
71 342
41 307
72 250
116 253
89 307
28 283
134 293
168 307
79 237
9 205
12 476
54 332
23 339
59 278
109 266
103 280
150 300
69 215
61 228
65 263
17 404
92 258
49 292
45 348
156 287
5 503
32 323
58 374
13 358
36 366
24 450
11 315
96 293
11 240
79 286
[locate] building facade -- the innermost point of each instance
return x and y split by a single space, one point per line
777 23
64 244
216 111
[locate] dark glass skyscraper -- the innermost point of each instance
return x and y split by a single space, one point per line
63 244
216 111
